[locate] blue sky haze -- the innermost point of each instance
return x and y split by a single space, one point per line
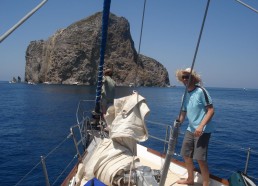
228 52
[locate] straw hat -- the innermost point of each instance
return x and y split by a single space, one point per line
195 77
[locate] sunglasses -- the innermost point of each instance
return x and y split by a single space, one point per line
185 77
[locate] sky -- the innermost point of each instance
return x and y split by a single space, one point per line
227 55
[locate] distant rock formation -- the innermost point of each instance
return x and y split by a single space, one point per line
19 79
72 55
14 80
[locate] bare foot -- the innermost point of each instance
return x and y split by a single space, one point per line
185 181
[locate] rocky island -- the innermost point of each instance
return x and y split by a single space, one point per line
72 55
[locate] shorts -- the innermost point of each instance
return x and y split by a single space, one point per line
195 147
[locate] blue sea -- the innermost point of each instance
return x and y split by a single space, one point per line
35 119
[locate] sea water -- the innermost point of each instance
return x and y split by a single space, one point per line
35 119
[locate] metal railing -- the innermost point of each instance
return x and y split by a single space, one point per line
77 138
165 141
44 167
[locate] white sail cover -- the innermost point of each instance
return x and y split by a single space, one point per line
115 155
126 118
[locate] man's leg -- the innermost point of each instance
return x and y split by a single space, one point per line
205 172
190 168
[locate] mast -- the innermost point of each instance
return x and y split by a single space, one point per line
105 17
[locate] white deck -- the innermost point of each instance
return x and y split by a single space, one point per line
175 172
154 161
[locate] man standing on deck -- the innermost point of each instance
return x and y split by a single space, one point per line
108 90
197 106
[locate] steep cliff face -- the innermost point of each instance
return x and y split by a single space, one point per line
72 55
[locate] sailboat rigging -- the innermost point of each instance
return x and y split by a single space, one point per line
176 125
20 22
143 164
